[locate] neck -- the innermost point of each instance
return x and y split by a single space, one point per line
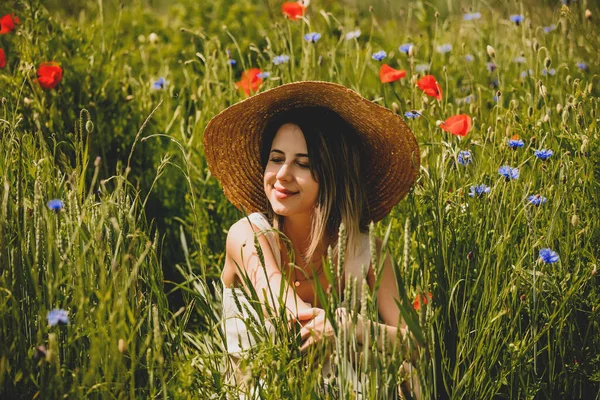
298 229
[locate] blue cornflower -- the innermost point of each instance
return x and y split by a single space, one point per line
353 34
548 256
469 57
231 62
543 154
58 316
537 199
582 66
405 47
550 71
281 59
479 190
312 37
515 143
520 60
516 18
159 84
490 66
508 172
380 55
263 75
472 16
445 48
412 114
422 68
56 205
464 157
550 28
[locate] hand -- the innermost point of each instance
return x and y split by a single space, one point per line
317 325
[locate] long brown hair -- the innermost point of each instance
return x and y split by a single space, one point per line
336 160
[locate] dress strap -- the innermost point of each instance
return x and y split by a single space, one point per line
266 229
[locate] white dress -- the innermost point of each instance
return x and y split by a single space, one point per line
238 338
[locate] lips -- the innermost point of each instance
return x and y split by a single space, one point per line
283 193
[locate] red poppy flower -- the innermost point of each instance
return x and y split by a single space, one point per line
422 299
250 81
49 74
8 22
292 10
457 125
388 74
430 86
2 59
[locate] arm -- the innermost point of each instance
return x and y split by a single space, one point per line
268 280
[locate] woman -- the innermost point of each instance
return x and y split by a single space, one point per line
302 159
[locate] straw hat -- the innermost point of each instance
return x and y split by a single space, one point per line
232 143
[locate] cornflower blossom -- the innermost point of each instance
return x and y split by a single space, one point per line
159 84
469 99
58 316
550 71
312 37
550 28
515 143
582 66
56 205
405 47
543 154
519 60
422 68
412 114
263 75
516 18
380 55
231 62
479 190
490 66
548 256
524 74
353 34
508 173
281 59
464 157
537 199
469 57
445 48
472 16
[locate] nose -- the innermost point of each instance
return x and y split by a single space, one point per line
284 172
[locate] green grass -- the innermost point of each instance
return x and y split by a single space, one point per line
135 254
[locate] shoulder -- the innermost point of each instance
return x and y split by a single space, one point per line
240 233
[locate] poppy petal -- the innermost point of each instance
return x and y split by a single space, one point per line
429 85
49 74
292 10
388 74
250 81
458 125
2 59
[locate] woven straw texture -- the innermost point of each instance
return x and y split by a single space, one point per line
232 143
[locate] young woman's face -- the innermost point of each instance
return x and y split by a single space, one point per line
288 183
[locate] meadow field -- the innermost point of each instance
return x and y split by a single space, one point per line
112 228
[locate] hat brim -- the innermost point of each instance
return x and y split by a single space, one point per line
232 143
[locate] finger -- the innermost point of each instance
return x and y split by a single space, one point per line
307 343
306 313
306 332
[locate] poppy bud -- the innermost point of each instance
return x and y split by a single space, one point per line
411 51
395 107
97 161
559 108
89 126
588 14
437 14
530 111
491 52
543 91
26 101
498 93
535 44
153 38
546 118
122 346
547 62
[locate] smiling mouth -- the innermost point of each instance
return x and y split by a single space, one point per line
283 194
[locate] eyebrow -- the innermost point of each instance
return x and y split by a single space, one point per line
297 154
